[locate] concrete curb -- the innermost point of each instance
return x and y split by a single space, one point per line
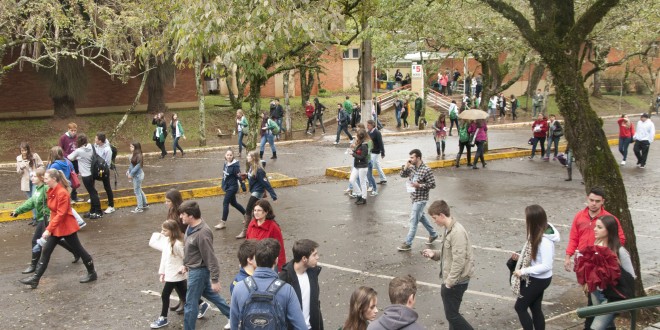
129 201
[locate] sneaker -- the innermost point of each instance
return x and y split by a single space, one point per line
227 326
530 157
404 247
89 201
159 323
623 162
383 182
336 142
95 216
109 210
374 193
221 225
78 200
348 191
370 188
146 206
353 195
202 310
310 133
241 234
642 166
431 240
361 201
554 158
137 210
546 159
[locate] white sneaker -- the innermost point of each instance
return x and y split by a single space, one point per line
89 201
348 191
370 188
109 210
374 193
623 162
336 143
137 210
227 326
221 225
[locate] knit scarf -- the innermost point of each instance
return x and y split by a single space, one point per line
524 261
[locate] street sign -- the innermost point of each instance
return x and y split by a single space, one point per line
417 71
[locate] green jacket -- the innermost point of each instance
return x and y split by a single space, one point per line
37 202
348 106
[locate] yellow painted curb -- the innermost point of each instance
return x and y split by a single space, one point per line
278 181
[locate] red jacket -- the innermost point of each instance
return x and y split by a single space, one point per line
625 131
269 229
544 128
582 231
309 110
62 223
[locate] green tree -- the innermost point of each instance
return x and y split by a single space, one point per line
557 30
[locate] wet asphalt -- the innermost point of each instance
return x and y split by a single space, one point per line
357 243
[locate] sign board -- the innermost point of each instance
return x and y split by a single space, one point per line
416 71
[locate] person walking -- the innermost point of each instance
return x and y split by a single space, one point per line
478 130
26 164
135 173
309 112
398 108
362 309
533 271
177 133
456 263
404 113
269 129
263 225
464 143
440 135
501 103
349 107
626 133
420 181
241 127
377 149
514 107
537 103
201 265
319 109
160 133
342 123
83 154
555 132
644 136
231 176
360 152
68 144
277 114
104 150
492 107
259 184
418 108
539 132
171 261
62 225
453 116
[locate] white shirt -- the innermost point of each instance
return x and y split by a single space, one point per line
645 131
303 280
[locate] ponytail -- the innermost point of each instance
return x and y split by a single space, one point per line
59 177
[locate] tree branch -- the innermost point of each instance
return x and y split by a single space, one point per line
621 61
517 18
586 23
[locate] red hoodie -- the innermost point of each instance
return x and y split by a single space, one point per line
309 110
625 131
268 229
582 231
543 123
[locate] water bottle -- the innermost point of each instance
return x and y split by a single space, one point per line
40 243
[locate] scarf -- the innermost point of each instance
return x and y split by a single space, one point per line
524 261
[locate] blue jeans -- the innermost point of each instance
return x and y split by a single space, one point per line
137 189
375 159
370 176
343 128
417 216
199 285
230 198
175 145
540 141
279 123
271 141
241 145
601 322
397 114
623 146
552 140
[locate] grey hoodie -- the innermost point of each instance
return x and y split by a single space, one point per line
84 157
396 317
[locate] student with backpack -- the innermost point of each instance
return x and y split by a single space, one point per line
264 291
514 106
342 123
463 142
84 154
104 150
453 116
269 129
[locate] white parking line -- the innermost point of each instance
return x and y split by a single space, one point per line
433 285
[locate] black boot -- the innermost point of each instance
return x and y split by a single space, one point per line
33 281
261 155
179 310
458 161
91 273
33 264
274 155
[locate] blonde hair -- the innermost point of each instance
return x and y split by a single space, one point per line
255 164
59 176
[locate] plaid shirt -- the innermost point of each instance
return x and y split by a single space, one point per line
423 175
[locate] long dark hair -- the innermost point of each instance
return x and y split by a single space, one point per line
359 303
175 197
81 141
537 222
30 157
441 120
137 153
175 233
612 227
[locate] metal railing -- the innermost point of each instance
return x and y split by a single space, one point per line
387 99
439 100
631 305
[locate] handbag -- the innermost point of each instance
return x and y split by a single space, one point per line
624 289
157 241
531 141
75 181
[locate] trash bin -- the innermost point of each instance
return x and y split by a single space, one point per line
211 85
390 85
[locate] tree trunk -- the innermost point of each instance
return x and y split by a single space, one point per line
535 79
156 99
200 99
583 130
135 103
597 84
306 84
287 107
64 107
366 85
254 113
235 99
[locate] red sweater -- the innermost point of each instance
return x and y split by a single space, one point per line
544 128
582 231
62 223
624 130
268 229
67 143
309 110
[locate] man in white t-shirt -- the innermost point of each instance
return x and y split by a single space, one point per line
302 273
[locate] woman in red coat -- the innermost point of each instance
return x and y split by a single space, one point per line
62 225
263 226
540 130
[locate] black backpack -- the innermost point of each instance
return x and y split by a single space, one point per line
261 310
100 169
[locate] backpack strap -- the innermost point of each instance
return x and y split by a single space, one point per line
250 284
275 286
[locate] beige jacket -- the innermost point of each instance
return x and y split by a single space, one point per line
457 257
24 169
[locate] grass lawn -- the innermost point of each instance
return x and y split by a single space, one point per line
607 106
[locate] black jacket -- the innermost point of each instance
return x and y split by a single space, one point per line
377 139
288 274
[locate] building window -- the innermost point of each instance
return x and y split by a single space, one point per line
351 53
